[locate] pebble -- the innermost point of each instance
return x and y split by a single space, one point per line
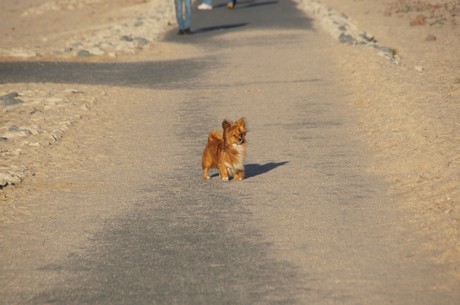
419 20
368 37
83 53
126 38
430 37
347 38
96 51
141 41
10 179
10 99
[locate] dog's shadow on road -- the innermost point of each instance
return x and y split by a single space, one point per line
254 169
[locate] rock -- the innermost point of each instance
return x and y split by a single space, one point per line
9 179
83 53
368 37
74 91
24 131
346 38
418 68
75 45
96 51
430 37
3 181
141 41
419 20
15 133
85 107
386 52
126 38
10 99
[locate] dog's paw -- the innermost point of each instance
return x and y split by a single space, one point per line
224 178
206 177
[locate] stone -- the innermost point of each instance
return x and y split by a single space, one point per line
419 20
9 179
368 37
386 50
10 99
96 51
430 37
83 53
126 38
141 41
74 91
346 38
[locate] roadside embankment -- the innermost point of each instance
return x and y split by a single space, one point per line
409 108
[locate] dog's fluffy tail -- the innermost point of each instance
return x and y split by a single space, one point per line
215 136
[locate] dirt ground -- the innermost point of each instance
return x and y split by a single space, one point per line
409 112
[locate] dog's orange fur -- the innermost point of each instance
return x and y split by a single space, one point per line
226 151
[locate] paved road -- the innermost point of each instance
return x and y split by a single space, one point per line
136 224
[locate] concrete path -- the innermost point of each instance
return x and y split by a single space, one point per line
136 224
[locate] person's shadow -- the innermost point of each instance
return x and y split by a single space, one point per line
254 169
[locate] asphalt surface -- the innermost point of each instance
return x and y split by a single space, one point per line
250 15
308 225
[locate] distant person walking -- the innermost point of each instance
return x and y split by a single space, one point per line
207 5
184 16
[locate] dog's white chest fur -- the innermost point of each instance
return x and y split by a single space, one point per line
238 164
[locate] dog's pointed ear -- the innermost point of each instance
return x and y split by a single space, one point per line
241 123
226 125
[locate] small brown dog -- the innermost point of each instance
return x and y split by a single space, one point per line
226 151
